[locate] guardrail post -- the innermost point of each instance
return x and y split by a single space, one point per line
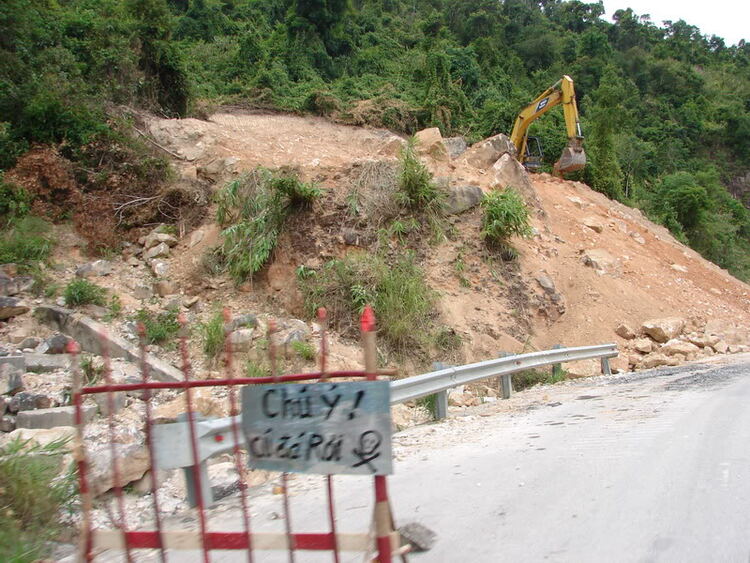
441 398
441 405
192 490
606 370
556 368
505 383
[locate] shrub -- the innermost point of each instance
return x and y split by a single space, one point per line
212 335
26 242
14 201
402 300
160 327
416 188
304 350
254 369
253 210
83 292
505 215
529 378
32 496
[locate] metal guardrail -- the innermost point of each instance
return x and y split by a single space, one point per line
441 380
214 436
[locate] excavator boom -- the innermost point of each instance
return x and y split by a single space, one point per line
573 156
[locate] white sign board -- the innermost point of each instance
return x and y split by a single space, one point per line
325 428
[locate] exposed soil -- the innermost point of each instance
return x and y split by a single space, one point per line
495 306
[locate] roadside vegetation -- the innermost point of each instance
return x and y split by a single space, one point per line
405 305
82 292
252 211
161 328
35 492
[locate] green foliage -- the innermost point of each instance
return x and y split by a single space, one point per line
253 210
26 242
416 188
161 328
14 201
92 373
528 378
403 302
304 350
254 369
653 98
504 215
82 292
33 494
212 335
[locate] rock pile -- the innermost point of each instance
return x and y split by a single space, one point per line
667 342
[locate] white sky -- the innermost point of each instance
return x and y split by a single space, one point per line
725 18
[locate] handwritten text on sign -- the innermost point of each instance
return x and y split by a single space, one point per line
325 428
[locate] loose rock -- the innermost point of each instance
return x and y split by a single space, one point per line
12 307
662 330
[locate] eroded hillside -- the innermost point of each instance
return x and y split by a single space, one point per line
591 265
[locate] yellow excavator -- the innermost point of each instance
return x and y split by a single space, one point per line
529 150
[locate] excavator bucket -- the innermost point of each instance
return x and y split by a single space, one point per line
573 157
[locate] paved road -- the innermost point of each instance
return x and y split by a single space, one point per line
648 467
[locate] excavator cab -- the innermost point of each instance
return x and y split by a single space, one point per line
534 156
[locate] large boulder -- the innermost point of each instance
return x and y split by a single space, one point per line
599 259
456 146
656 360
133 462
12 307
663 330
624 331
643 345
485 153
430 142
676 346
507 172
462 198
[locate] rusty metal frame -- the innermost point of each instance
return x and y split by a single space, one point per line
128 540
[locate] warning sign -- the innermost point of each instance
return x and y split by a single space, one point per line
325 428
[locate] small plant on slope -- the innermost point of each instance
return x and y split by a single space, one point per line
83 292
505 216
32 496
417 191
252 211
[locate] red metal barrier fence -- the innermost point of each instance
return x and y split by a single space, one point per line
129 540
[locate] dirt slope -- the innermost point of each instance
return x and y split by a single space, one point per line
601 262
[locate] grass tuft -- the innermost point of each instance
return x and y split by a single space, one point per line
397 290
212 335
505 216
252 210
82 292
161 327
26 242
32 498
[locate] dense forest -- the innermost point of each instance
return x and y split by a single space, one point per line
665 109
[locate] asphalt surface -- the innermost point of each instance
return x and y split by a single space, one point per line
647 467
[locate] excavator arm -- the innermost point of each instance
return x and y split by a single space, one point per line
562 92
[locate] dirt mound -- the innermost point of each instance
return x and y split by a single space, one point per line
592 263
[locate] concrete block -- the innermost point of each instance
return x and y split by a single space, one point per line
17 361
44 363
11 379
51 418
88 333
